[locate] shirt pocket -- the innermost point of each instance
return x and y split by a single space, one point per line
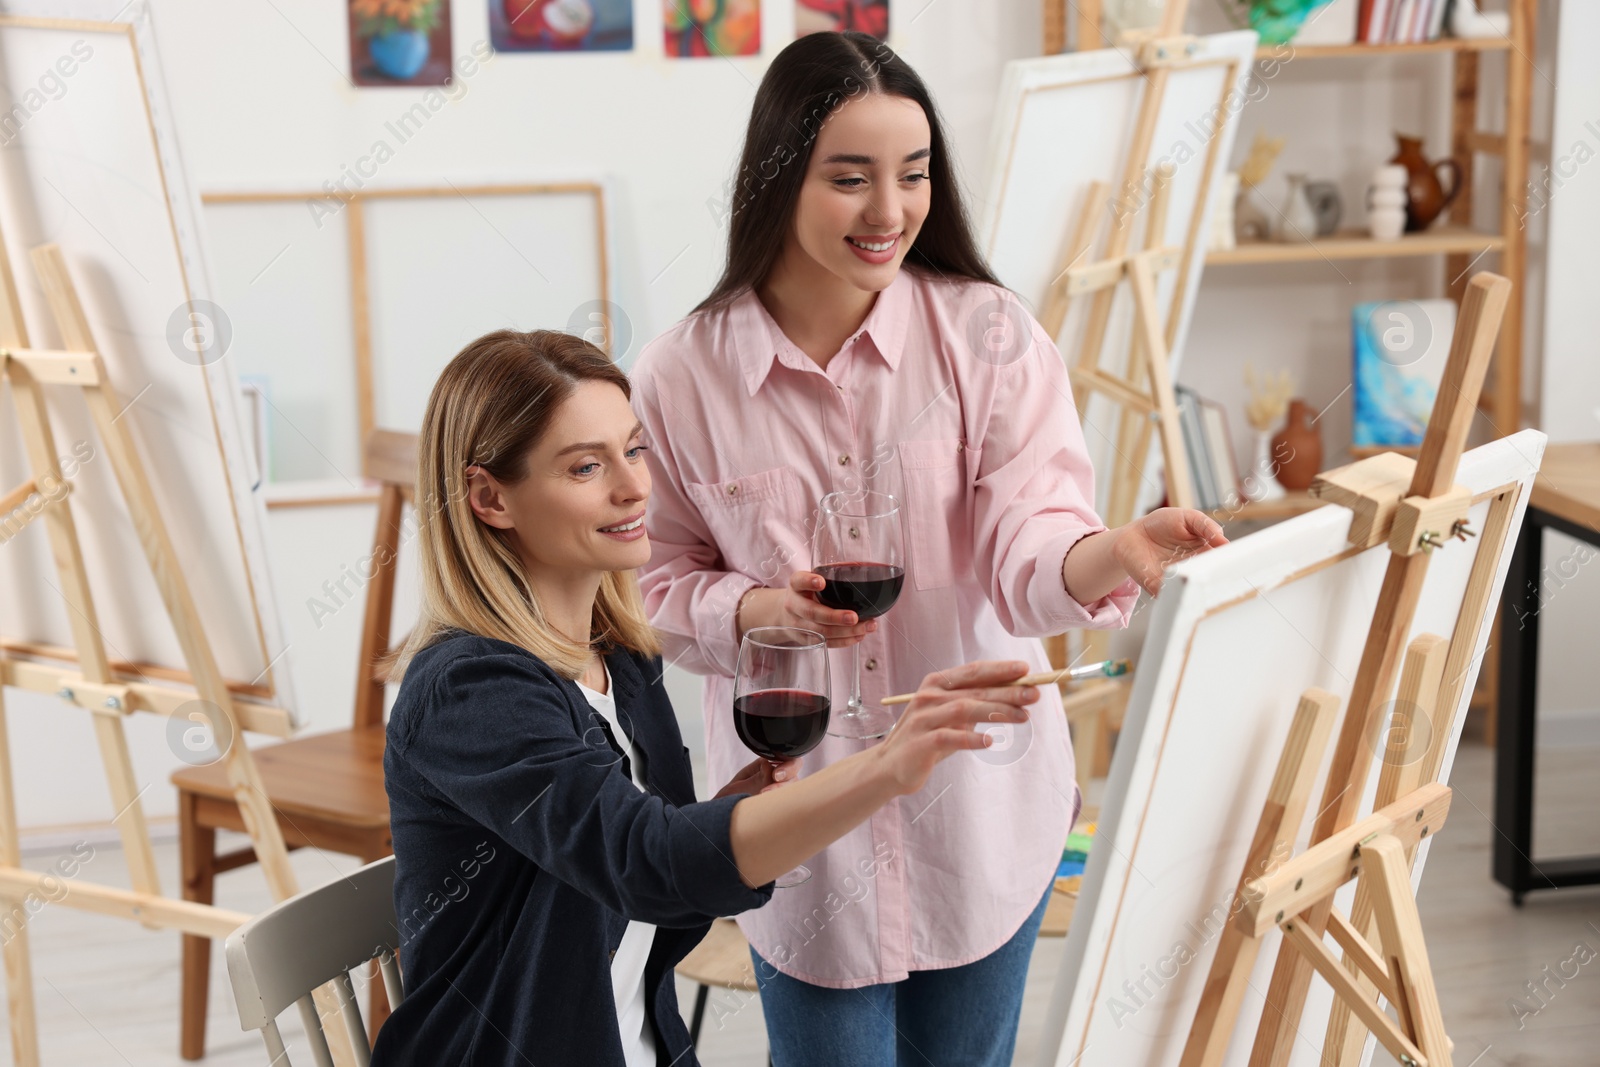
937 527
757 521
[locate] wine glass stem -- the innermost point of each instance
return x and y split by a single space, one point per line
854 707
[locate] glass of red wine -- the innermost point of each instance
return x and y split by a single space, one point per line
781 701
857 550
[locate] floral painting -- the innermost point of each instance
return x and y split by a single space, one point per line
400 42
868 16
711 27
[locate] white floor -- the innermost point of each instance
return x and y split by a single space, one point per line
107 990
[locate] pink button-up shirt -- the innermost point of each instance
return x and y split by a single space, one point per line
954 399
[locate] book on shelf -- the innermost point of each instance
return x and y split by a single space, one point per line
1401 21
1219 448
1206 442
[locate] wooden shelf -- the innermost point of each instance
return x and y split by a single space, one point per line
1353 244
1336 51
1296 502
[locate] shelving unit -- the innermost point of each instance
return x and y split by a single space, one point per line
1462 241
1467 244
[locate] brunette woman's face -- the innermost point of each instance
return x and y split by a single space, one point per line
866 185
581 505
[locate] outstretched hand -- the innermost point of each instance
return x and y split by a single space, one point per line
1146 547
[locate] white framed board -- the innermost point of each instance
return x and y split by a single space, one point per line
387 283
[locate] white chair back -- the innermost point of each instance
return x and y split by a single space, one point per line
282 955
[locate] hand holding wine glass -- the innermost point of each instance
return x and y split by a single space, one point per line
797 605
781 700
857 551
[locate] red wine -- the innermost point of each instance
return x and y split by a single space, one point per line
868 589
781 723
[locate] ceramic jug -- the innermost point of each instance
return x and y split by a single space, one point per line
1427 196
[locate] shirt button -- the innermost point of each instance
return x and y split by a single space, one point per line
733 490
844 461
871 664
612 955
961 446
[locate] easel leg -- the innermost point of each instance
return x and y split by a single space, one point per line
1274 839
1400 927
1180 491
1404 762
18 958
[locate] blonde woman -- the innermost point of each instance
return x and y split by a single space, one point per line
553 863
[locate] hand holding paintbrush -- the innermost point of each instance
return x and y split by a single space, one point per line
1110 668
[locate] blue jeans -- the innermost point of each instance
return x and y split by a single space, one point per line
955 1017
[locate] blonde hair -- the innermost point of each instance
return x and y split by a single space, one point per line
491 404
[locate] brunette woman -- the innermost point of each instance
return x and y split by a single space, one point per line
857 340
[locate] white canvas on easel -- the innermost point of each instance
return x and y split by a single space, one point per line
1236 636
98 172
1065 122
135 584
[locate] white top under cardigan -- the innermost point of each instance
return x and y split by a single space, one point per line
627 966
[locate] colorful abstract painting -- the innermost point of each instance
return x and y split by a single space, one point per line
399 42
561 25
1401 347
816 16
711 27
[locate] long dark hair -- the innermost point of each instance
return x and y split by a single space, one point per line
807 82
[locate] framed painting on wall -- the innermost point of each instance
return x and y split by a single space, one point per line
399 42
819 16
561 25
696 28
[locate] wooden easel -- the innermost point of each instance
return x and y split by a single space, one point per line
98 685
1143 393
1414 508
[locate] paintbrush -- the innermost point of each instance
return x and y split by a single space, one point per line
1108 668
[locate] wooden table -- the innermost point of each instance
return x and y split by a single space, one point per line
1566 497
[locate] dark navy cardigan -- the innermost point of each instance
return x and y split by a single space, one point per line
523 849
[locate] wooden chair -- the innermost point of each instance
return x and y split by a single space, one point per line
327 788
276 959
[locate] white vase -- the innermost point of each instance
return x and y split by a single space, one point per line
1467 21
1259 481
1386 202
1297 220
1250 220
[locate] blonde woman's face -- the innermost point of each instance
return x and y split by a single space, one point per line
581 506
866 193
